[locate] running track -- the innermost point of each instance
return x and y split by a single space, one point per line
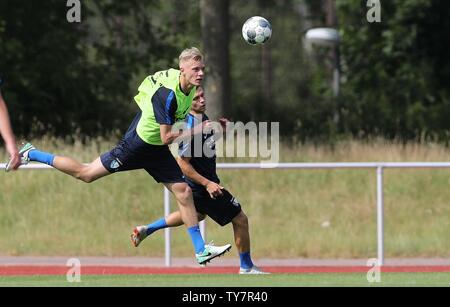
18 266
121 270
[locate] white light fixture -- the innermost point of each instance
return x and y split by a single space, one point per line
323 36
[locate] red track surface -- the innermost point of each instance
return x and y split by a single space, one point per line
28 270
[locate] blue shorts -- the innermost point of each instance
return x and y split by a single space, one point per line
133 153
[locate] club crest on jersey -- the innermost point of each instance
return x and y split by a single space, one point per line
115 164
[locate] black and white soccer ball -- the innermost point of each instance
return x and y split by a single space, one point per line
256 30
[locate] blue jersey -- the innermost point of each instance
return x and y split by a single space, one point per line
203 162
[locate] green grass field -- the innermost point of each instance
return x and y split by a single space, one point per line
229 280
295 213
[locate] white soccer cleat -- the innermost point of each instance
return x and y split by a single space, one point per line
254 270
23 155
138 235
211 251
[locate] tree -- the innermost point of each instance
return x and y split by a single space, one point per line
80 78
215 35
397 72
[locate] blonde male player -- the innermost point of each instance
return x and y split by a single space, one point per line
164 98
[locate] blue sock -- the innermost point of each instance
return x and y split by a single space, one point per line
246 260
157 225
43 157
197 239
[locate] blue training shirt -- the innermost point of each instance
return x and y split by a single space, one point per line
202 151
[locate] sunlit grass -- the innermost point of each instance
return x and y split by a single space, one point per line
293 213
234 280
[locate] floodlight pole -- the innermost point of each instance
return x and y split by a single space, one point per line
332 21
330 37
337 84
336 74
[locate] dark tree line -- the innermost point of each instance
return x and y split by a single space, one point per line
80 78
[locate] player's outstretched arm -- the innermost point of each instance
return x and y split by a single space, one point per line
8 135
168 136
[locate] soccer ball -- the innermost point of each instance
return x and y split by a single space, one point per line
256 30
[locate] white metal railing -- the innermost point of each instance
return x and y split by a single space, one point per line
378 166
